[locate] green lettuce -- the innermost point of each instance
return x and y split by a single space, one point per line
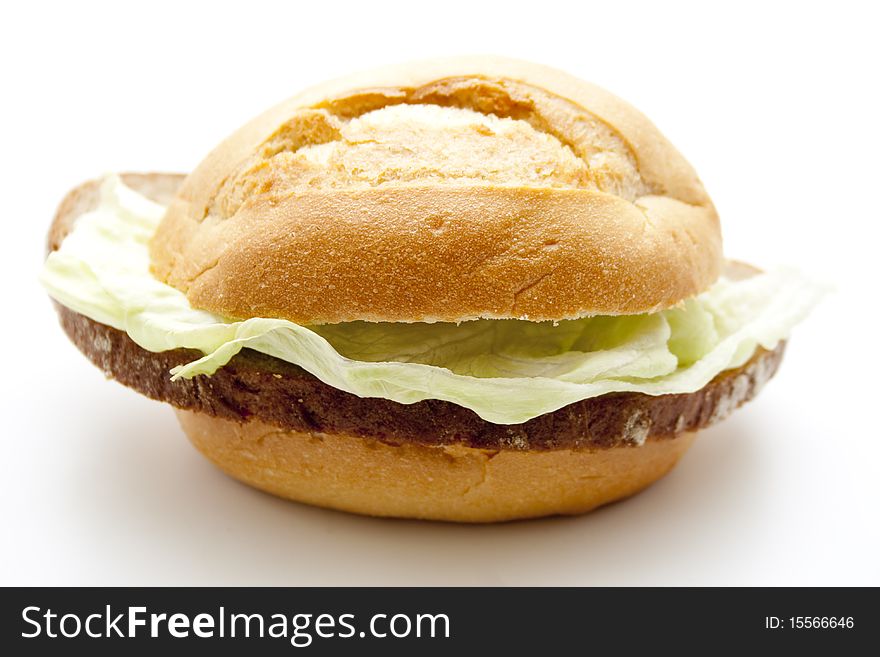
506 371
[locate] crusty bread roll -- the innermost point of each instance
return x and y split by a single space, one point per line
442 191
452 482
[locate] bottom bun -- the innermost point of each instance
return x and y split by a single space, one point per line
451 482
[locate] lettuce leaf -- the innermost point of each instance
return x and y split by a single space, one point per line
506 371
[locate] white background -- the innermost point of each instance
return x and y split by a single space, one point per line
774 103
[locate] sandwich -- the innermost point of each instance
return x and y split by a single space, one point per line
469 290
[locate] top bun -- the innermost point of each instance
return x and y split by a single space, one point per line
446 190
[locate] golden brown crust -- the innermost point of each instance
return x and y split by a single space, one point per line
454 483
307 213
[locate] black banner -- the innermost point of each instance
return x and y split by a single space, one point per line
431 621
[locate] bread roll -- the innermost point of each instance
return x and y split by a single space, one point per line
452 482
442 191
